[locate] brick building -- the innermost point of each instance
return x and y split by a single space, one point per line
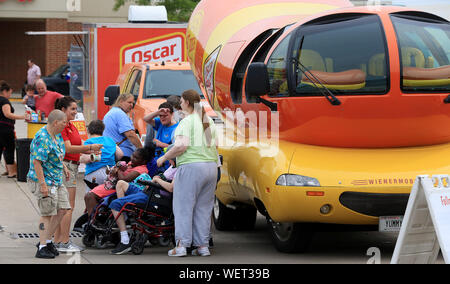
48 51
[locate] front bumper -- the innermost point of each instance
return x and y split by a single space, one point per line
360 206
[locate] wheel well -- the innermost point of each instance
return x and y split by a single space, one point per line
260 207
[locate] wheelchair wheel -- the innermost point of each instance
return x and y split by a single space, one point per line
164 241
88 239
101 242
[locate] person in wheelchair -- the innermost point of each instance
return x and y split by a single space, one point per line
131 193
129 172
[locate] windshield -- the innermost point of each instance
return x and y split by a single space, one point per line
345 56
424 47
163 83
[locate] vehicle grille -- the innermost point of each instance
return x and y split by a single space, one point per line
375 204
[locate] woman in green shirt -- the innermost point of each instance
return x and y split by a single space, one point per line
195 181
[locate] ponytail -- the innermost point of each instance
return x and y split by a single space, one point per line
194 100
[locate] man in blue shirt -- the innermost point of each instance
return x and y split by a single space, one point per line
165 126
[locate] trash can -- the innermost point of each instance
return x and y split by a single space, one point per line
23 158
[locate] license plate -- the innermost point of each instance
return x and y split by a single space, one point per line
390 223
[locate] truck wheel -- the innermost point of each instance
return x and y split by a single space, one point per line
223 216
290 237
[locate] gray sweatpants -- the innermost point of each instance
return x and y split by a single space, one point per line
193 201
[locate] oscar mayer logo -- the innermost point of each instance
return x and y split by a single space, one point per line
164 48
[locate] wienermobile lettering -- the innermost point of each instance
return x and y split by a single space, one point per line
348 93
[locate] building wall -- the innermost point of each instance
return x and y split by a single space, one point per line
99 11
48 51
17 48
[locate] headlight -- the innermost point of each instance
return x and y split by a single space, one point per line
296 180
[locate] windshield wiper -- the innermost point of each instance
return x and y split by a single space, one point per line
158 96
324 90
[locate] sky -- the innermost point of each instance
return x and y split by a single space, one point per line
420 2
438 7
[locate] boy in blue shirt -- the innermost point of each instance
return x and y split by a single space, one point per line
96 169
165 126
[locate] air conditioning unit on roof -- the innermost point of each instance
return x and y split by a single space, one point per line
147 14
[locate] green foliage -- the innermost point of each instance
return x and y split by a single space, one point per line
177 10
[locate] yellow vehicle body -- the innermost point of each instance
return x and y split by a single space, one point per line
250 172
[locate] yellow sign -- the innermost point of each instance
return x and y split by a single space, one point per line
81 127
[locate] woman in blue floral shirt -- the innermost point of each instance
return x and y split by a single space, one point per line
45 180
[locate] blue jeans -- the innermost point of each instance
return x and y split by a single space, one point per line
133 195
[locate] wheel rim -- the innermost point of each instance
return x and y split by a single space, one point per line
216 208
283 231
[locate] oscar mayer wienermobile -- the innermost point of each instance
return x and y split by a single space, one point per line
354 101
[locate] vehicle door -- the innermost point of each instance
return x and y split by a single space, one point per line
134 86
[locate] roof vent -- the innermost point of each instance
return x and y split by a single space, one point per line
147 14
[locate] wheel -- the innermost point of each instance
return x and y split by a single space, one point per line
88 239
164 241
290 237
101 242
241 218
223 217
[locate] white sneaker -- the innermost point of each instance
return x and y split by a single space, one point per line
177 251
68 247
201 251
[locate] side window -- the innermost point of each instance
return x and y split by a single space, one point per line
346 55
424 47
134 83
276 67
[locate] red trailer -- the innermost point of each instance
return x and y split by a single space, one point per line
110 46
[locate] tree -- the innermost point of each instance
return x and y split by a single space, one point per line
177 10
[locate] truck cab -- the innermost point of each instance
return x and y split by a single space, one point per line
151 84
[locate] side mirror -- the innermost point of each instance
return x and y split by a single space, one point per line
257 85
257 81
111 94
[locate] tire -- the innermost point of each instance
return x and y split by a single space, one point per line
290 237
164 241
88 239
223 216
241 218
101 241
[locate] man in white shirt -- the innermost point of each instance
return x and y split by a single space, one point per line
33 73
